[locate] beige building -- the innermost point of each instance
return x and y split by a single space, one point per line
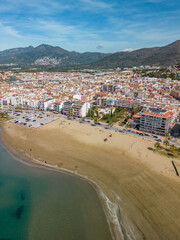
76 108
158 121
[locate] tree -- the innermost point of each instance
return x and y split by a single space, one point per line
135 110
172 148
126 119
90 113
106 117
157 145
95 121
173 76
111 113
110 123
97 114
178 151
3 114
166 143
166 135
18 108
94 108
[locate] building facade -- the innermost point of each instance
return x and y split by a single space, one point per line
157 121
76 108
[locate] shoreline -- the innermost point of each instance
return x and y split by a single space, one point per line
132 185
110 209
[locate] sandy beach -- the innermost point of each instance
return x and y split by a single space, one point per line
140 184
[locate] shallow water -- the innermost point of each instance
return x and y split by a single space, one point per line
37 203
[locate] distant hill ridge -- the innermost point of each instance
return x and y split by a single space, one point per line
59 56
167 55
49 55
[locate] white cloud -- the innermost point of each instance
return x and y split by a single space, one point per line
127 50
159 35
42 7
8 30
94 6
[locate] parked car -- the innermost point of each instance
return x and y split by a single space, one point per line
158 140
93 124
141 134
137 133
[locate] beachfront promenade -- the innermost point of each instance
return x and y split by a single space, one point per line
35 119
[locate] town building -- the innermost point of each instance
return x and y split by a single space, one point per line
157 121
76 108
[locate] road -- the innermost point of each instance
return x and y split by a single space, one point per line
35 119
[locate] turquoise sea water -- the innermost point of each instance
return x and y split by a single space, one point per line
39 204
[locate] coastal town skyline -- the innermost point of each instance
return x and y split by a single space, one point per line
89 25
75 94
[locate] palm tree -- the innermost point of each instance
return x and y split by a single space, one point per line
178 151
5 115
110 123
166 143
172 148
157 145
166 135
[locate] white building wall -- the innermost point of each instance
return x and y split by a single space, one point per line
78 97
14 100
5 102
84 110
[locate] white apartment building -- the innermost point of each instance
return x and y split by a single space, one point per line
158 121
76 108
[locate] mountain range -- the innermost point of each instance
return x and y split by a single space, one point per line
46 55
164 56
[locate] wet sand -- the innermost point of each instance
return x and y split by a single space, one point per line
142 186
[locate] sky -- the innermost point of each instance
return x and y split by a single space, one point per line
89 25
